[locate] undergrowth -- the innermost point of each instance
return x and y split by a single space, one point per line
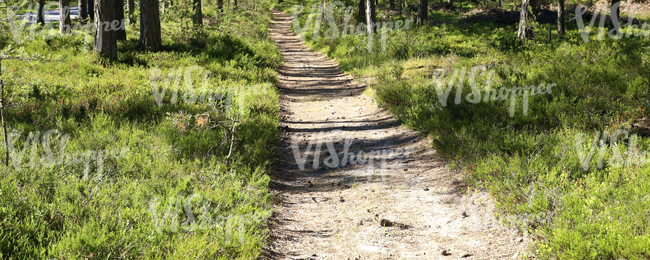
134 179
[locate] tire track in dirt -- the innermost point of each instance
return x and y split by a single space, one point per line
336 213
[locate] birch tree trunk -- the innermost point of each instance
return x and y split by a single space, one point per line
524 32
370 16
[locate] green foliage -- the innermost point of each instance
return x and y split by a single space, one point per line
92 208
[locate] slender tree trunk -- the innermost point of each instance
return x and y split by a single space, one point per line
549 33
423 11
560 18
91 9
2 111
500 5
150 37
83 10
646 112
361 10
523 31
105 41
370 16
120 33
391 4
40 17
64 17
197 17
130 5
612 20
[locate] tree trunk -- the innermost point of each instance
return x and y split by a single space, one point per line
105 41
391 4
235 4
524 32
120 32
150 37
40 17
560 18
450 2
613 21
370 16
500 5
64 17
91 9
83 10
361 10
2 113
646 112
130 5
535 4
423 9
197 17
219 5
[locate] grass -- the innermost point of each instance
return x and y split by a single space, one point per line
172 193
531 164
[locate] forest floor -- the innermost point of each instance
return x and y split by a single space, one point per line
407 204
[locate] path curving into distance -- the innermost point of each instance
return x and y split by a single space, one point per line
407 205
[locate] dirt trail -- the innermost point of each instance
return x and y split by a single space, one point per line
335 212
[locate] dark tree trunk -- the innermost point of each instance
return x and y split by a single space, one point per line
120 32
524 32
219 5
83 10
370 16
450 2
64 17
423 10
197 17
560 18
130 5
500 3
361 10
105 41
40 17
535 4
150 37
391 4
91 9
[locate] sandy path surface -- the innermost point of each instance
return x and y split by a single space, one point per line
406 204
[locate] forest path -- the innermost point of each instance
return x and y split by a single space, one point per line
335 211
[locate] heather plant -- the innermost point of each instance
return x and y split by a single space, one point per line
62 209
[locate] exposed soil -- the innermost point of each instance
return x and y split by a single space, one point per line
411 206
